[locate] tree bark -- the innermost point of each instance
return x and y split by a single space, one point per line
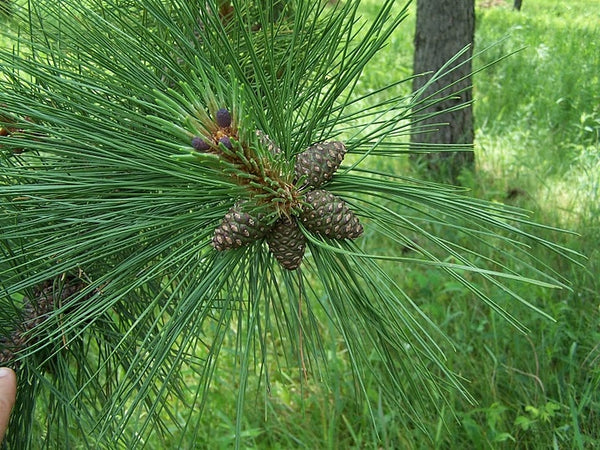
517 4
444 28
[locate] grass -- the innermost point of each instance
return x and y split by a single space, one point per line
538 147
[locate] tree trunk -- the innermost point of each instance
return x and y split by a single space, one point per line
517 4
444 28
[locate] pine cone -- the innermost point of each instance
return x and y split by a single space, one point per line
238 228
267 142
35 312
223 118
328 215
319 162
200 144
7 348
287 243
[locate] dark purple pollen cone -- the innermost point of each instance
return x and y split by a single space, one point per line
200 144
223 118
226 142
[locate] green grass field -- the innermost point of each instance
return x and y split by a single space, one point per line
537 147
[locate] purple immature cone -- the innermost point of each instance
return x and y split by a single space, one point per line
200 144
223 117
226 142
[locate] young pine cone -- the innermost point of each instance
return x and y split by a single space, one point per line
238 228
287 243
328 215
319 162
35 312
267 142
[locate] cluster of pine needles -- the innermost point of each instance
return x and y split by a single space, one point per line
181 177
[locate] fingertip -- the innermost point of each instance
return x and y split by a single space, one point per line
8 384
7 372
8 393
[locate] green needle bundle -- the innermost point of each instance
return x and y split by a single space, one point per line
185 180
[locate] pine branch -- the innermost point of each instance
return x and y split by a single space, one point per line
176 153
